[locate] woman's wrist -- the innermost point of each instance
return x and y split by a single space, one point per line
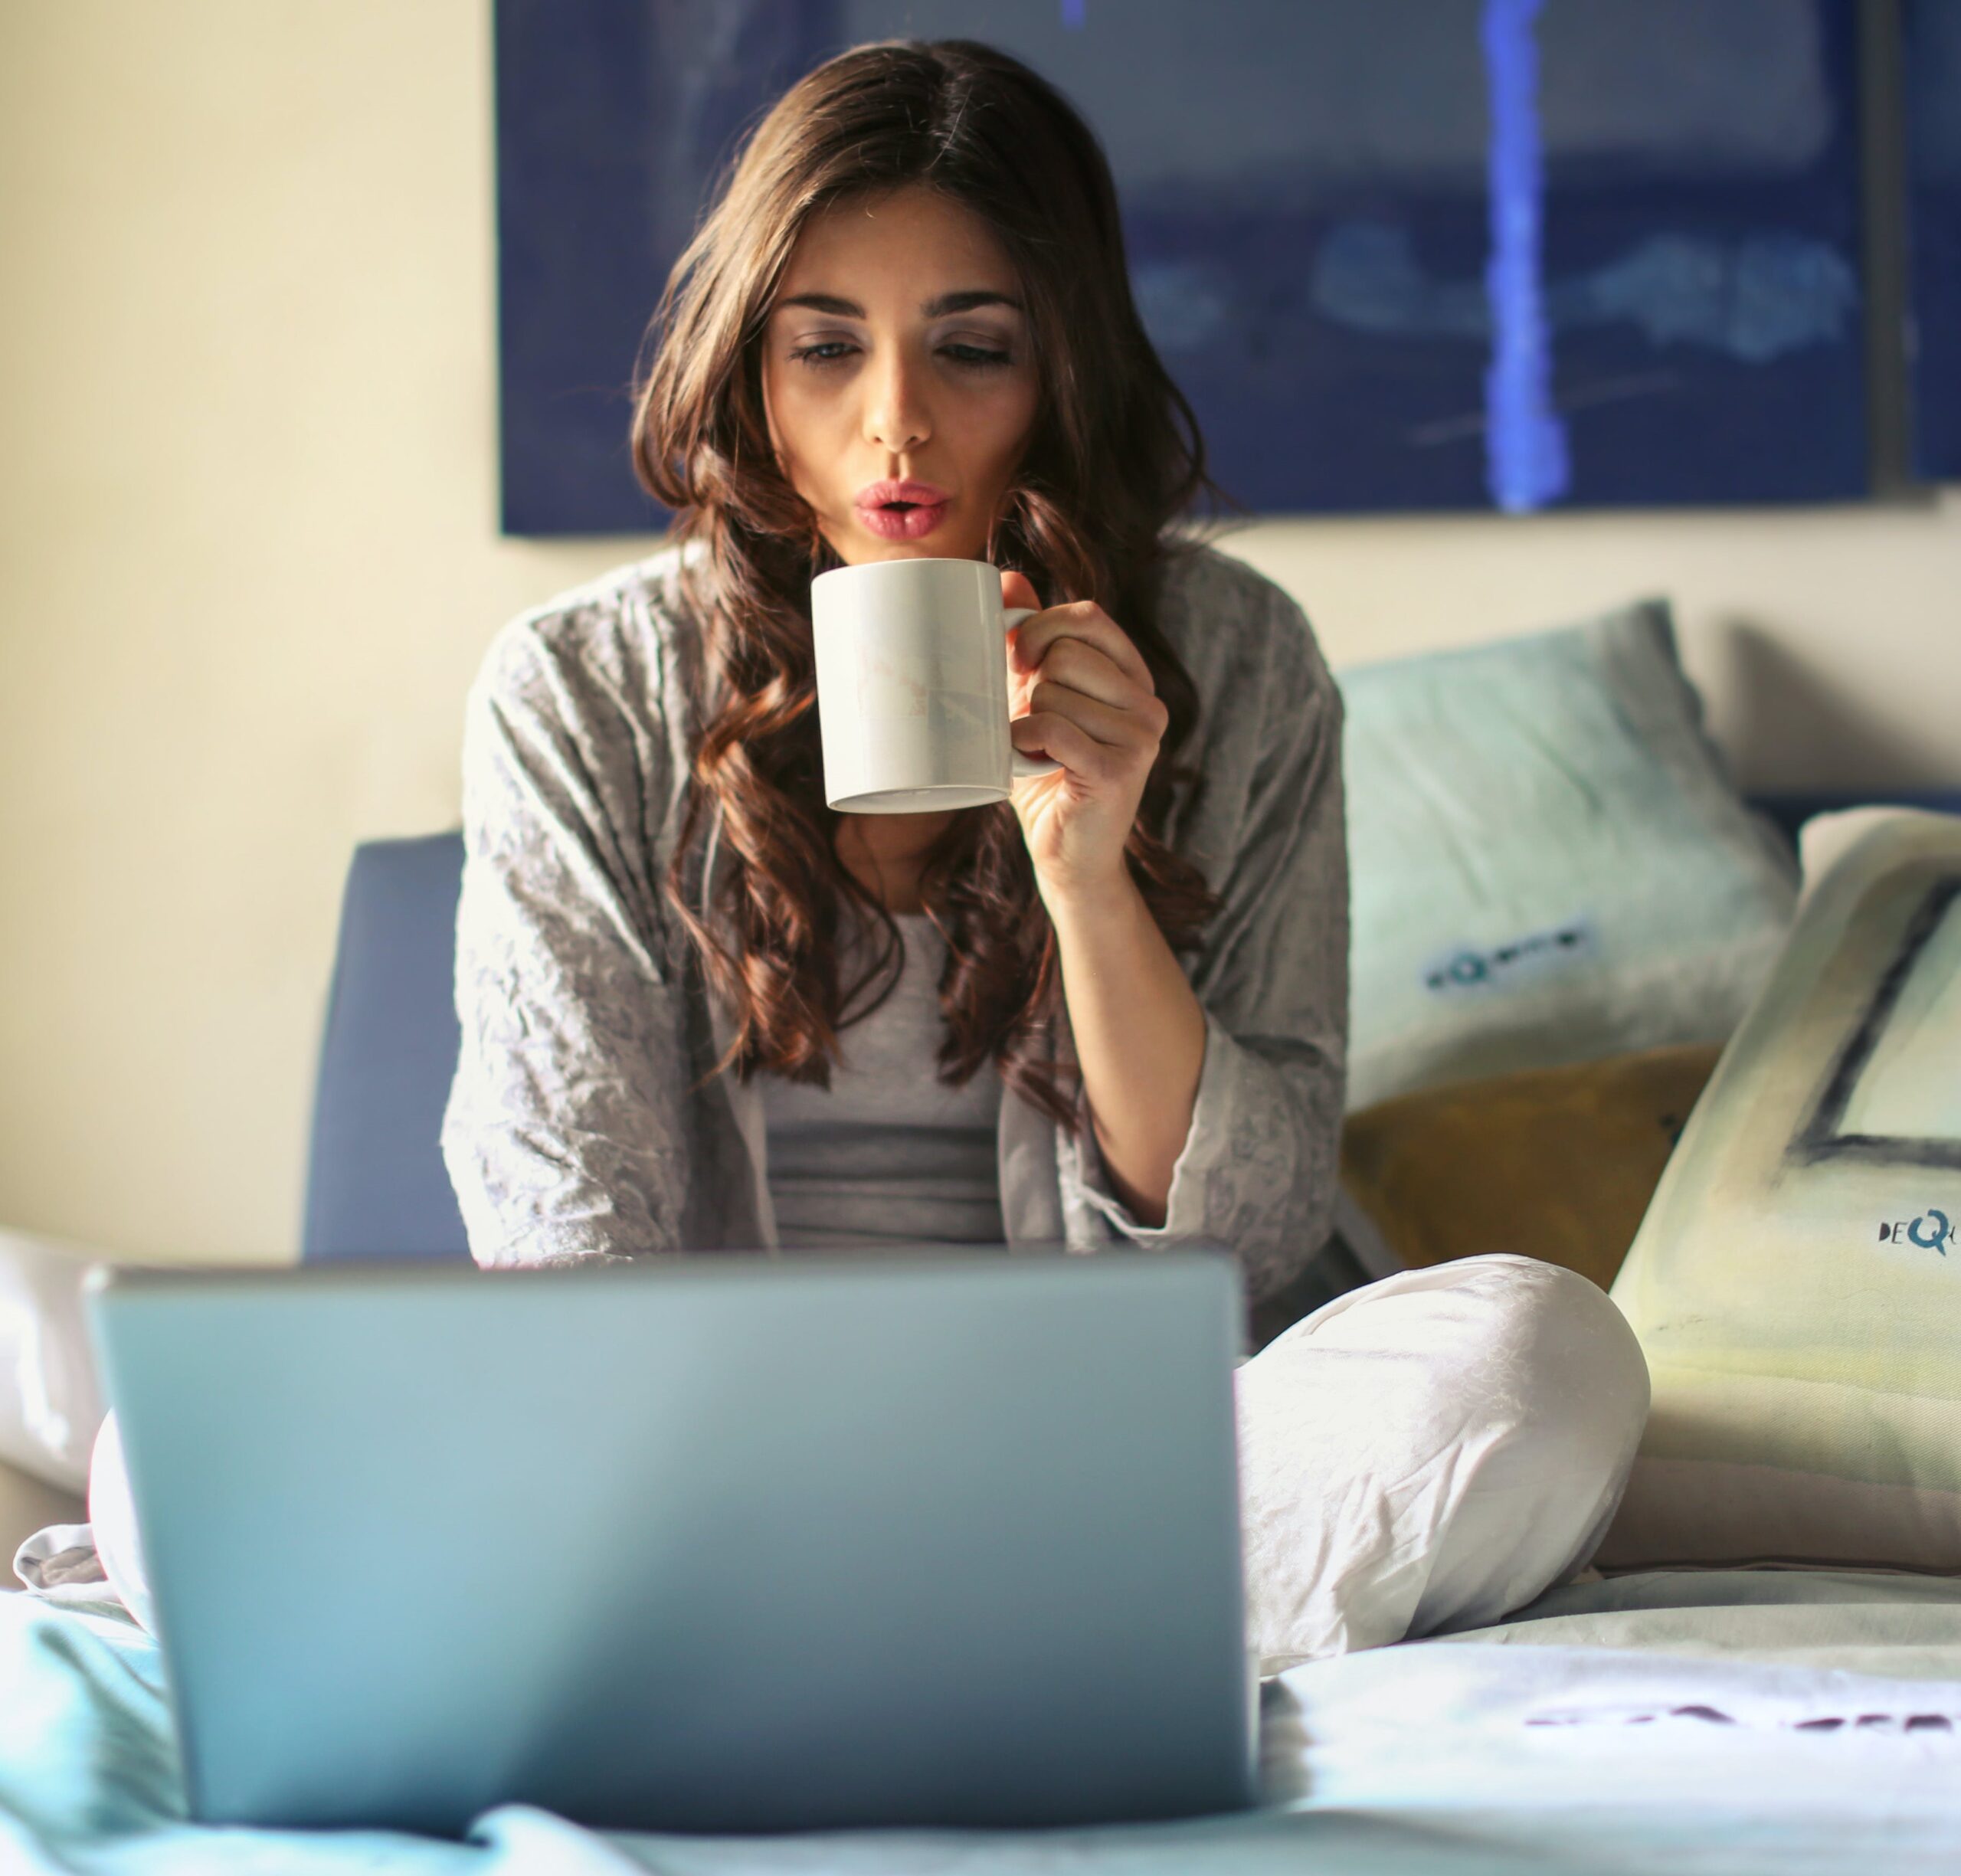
1139 1033
1087 908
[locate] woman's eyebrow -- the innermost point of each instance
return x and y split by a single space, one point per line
966 302
938 309
824 303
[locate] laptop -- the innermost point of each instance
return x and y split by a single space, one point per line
725 1543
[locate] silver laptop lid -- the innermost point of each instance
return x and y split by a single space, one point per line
705 1544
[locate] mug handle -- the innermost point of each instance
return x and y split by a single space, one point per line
1026 767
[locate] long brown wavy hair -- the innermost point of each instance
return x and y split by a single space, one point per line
1115 456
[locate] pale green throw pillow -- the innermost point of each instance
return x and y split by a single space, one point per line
1549 860
1796 1283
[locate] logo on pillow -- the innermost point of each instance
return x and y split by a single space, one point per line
1934 1237
1467 968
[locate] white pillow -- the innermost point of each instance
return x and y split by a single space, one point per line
51 1402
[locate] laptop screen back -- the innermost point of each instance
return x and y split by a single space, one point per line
707 1543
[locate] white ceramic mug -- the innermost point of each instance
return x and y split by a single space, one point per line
912 696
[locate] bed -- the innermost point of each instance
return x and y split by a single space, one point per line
1684 1722
1677 1719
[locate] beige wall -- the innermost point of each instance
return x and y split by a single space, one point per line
249 493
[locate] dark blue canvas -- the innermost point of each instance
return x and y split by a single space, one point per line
613 116
1314 194
1932 68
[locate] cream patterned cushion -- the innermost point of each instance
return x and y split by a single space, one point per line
1796 1283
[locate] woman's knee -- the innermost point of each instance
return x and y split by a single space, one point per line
1435 1442
1559 1343
1499 1330
1558 1401
1536 1359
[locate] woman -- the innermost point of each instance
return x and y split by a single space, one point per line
699 1010
905 329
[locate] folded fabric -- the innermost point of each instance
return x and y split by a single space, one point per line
60 1562
1549 861
1796 1281
27 1505
1555 1164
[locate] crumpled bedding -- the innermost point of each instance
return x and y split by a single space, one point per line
1690 1722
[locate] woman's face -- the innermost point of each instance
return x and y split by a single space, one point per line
897 352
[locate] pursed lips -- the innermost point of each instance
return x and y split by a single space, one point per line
902 495
902 510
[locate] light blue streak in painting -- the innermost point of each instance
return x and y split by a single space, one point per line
1074 14
1754 296
1526 464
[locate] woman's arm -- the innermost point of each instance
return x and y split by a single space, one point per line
1140 1039
1255 1165
1138 1030
1260 1167
563 1131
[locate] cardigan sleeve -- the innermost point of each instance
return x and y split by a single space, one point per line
1258 1171
562 1130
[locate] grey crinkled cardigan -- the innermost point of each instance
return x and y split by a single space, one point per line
578 1125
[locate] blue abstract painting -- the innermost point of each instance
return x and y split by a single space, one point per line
1400 254
1932 64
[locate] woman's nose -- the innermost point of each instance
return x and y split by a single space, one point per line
896 416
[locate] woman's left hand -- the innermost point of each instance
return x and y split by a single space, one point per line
1080 692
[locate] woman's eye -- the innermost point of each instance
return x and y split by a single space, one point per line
975 354
834 350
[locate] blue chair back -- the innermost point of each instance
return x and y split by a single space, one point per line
376 1183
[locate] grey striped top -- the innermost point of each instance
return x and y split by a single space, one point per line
888 1153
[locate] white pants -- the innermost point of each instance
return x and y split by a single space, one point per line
1427 1452
1430 1452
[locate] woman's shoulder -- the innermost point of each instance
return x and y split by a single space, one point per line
628 633
599 674
1239 634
